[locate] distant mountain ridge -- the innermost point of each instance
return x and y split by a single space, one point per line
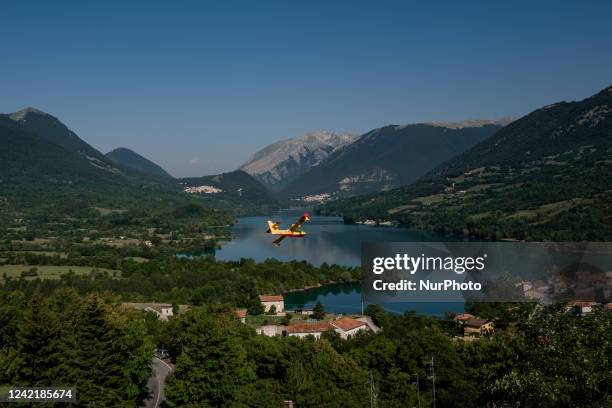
545 176
386 158
45 164
230 188
137 162
280 163
52 129
54 149
472 123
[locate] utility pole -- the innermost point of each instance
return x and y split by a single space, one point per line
372 392
433 379
362 304
418 389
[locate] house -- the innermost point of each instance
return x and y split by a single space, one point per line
344 326
463 317
370 323
308 329
347 326
477 326
241 313
582 308
273 300
270 330
162 310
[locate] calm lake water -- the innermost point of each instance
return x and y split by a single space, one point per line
328 240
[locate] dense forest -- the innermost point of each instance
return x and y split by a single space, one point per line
543 357
178 280
68 340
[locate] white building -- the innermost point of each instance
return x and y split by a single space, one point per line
270 330
308 329
242 314
345 327
273 300
162 310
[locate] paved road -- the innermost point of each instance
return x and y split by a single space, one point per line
156 384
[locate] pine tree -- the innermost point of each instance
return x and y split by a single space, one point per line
319 311
98 368
37 353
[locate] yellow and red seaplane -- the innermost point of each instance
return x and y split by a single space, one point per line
294 231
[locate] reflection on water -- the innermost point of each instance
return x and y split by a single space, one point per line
328 240
346 298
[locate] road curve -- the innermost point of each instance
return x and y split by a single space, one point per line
156 384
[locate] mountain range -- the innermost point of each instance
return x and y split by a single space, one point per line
43 162
133 160
280 163
385 158
545 176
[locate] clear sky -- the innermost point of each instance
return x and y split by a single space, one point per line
199 86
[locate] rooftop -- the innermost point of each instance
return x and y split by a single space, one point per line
142 306
348 323
583 304
309 327
271 298
463 317
475 322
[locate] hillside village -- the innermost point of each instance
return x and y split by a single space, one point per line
277 321
301 322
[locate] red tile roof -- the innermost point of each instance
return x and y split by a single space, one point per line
463 317
348 323
584 304
475 322
309 327
241 313
271 298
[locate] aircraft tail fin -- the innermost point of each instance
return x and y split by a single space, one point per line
271 227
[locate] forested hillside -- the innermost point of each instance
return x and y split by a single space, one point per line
65 340
234 190
544 176
88 341
130 158
384 158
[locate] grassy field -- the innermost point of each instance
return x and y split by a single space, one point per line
46 253
49 271
137 259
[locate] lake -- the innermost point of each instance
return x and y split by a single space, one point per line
346 298
330 241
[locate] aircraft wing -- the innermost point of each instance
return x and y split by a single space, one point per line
278 240
298 224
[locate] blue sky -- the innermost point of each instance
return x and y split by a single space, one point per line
199 86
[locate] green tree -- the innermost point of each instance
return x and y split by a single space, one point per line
318 312
560 361
255 308
97 370
37 353
213 369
